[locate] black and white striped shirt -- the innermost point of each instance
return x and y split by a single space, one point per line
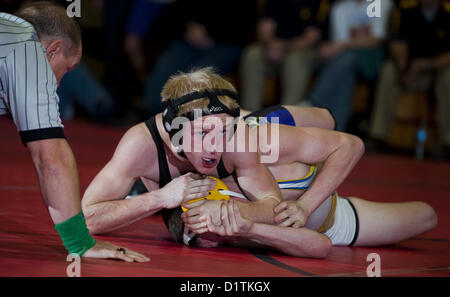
27 83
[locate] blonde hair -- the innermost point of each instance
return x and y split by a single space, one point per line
197 80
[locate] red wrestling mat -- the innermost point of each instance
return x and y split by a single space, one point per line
30 247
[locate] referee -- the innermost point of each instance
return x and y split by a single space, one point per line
37 47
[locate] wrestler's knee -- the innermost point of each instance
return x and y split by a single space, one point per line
427 216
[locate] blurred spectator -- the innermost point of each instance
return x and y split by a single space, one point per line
420 59
355 50
79 87
120 78
213 35
143 15
287 34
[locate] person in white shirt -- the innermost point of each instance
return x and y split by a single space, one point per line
354 50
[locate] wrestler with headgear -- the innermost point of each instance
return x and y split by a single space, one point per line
289 203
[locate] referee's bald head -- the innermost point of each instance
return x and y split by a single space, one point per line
51 22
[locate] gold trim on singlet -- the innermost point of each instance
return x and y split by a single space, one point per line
303 185
330 219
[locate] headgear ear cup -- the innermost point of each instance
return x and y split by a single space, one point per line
213 194
172 217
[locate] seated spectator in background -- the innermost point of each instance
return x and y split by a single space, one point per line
287 35
79 87
355 49
420 59
143 15
214 35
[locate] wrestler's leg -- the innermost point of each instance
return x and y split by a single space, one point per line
304 116
387 223
311 117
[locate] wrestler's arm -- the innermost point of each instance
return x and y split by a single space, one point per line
298 242
58 179
301 242
339 152
256 182
259 186
103 204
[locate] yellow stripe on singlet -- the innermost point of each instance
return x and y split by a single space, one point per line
330 219
295 184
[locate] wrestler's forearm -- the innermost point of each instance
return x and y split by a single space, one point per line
299 242
58 177
334 171
259 211
110 215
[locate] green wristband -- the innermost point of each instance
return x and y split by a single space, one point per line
75 235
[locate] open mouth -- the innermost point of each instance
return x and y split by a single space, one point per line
209 162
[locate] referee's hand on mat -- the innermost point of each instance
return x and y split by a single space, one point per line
107 250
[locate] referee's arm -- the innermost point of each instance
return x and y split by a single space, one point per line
28 81
58 177
34 107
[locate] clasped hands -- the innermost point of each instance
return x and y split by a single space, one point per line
220 217
224 217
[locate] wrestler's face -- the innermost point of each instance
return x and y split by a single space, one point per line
206 141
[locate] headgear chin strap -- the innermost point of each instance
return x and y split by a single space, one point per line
171 108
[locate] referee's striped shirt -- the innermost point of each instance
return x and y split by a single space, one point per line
27 83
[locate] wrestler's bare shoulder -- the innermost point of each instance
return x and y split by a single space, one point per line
137 146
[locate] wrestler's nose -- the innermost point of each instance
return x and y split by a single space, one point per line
211 146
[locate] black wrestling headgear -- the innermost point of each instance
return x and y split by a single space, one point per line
171 107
